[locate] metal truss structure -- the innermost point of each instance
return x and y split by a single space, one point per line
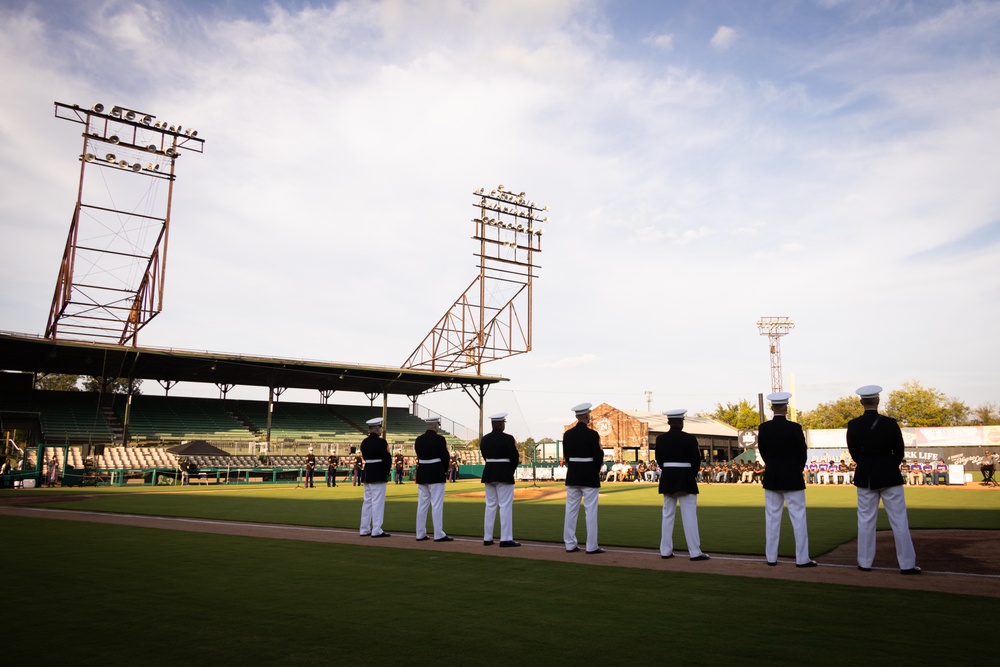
774 328
110 282
492 319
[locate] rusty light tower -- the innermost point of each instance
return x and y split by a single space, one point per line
774 328
492 318
110 282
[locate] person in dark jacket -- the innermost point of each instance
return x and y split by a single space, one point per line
433 461
310 470
378 461
584 458
876 445
782 445
678 457
331 469
499 452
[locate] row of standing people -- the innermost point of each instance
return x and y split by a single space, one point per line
875 443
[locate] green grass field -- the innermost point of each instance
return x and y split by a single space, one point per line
99 594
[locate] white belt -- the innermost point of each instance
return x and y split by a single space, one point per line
428 461
672 464
497 460
373 460
577 459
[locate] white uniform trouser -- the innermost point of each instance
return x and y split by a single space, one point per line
373 509
573 496
895 507
501 495
796 503
430 496
689 517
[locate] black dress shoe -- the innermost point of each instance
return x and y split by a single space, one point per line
487 543
701 557
912 570
445 539
510 543
666 557
423 539
773 563
382 535
573 550
864 569
598 550
811 563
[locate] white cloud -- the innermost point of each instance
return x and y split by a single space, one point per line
570 362
663 41
723 38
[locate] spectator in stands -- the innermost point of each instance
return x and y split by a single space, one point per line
782 445
310 469
331 470
677 455
500 455
398 467
433 466
876 444
377 460
616 472
653 472
641 471
940 472
584 457
603 475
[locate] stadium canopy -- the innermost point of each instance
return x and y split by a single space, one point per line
21 352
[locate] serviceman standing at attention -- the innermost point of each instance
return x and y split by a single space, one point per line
499 451
679 459
876 445
432 469
782 445
375 452
331 469
584 458
310 469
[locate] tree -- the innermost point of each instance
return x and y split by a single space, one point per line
110 385
834 414
742 416
527 449
985 415
915 405
57 382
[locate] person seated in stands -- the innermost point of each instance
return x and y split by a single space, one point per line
811 471
915 475
928 469
824 475
940 472
758 473
641 471
746 473
616 472
602 474
704 473
721 472
653 472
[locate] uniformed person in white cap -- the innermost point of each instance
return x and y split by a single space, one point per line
433 460
782 445
310 469
584 458
499 451
375 452
876 445
679 460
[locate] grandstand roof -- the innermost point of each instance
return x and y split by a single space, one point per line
22 352
657 423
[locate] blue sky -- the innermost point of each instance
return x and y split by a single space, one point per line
706 164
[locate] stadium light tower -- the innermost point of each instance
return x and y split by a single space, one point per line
492 319
110 282
774 328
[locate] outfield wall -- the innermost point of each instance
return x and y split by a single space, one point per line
957 445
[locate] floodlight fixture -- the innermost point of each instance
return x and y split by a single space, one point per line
774 328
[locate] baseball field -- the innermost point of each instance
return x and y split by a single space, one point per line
255 575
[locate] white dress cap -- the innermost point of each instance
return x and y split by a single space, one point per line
374 422
869 391
676 413
780 398
310 448
582 409
498 417
433 420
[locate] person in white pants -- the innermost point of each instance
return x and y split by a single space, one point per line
584 458
679 459
876 445
375 452
433 461
500 454
782 445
